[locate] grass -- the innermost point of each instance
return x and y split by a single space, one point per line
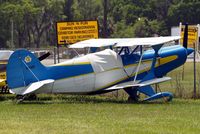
110 113
182 84
57 114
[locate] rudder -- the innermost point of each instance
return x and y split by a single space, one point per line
24 68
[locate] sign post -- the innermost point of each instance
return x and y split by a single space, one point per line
195 87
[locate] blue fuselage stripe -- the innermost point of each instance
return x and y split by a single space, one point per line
60 72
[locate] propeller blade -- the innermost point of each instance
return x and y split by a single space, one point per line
44 56
185 37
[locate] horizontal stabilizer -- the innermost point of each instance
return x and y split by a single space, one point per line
36 85
136 84
33 87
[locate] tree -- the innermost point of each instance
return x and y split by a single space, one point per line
34 20
122 30
88 9
14 11
69 10
184 12
146 28
49 12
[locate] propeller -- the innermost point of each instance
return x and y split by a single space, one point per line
185 36
44 56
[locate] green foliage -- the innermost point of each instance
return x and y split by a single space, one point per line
121 30
185 12
34 20
146 28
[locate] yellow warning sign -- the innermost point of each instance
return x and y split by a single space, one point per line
192 35
72 32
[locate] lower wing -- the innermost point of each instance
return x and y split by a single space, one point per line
142 84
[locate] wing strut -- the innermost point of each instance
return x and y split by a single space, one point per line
148 90
137 70
31 71
151 74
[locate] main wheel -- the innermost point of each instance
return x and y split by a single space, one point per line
133 99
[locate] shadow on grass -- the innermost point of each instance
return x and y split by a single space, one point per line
73 99
83 99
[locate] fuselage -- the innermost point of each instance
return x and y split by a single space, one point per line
95 72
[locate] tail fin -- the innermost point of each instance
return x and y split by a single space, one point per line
24 68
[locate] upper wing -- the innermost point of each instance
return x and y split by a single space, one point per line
124 42
150 41
95 43
142 84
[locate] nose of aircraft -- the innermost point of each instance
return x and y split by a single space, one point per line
189 50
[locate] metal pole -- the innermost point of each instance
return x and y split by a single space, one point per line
54 55
58 53
180 27
198 31
12 26
194 71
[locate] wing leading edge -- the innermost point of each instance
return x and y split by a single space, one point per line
124 42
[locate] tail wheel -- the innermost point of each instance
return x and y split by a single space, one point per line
26 97
32 97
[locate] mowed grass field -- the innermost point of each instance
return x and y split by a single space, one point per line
110 113
99 115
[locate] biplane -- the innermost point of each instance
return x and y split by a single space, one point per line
130 67
4 56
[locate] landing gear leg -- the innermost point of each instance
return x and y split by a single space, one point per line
5 89
29 97
133 94
133 99
20 98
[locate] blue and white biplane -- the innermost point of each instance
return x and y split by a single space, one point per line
131 68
